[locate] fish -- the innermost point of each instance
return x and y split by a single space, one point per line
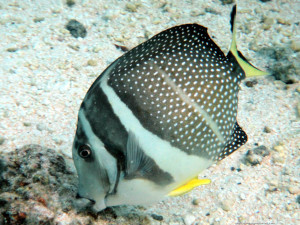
158 116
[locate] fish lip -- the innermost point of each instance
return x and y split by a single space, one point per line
94 205
84 204
93 202
78 196
99 205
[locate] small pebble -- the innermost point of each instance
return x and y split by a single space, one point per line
96 49
12 49
38 19
74 47
272 186
76 29
57 140
70 3
196 201
157 217
284 21
266 26
109 14
242 196
156 21
225 2
298 199
27 124
268 22
286 32
267 130
56 10
289 207
287 171
122 48
278 158
279 148
195 13
120 39
131 7
251 83
295 45
211 10
227 204
242 219
252 158
261 150
189 219
242 166
294 190
41 127
148 35
92 62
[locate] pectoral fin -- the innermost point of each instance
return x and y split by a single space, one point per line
137 160
141 166
188 186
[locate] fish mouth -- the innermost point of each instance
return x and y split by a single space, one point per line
99 205
92 202
78 196
84 203
88 203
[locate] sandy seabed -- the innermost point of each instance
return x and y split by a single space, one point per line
45 73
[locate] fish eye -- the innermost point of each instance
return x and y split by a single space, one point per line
84 151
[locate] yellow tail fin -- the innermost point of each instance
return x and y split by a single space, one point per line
249 69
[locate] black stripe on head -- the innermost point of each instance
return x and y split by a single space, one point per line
105 124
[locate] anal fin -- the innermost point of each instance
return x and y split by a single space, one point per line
188 187
238 138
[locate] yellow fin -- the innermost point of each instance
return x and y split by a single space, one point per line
188 186
250 70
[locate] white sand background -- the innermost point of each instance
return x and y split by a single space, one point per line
44 75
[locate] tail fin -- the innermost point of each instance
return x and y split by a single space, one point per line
248 68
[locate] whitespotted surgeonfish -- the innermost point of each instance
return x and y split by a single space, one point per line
158 116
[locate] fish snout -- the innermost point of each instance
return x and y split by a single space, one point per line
78 196
83 203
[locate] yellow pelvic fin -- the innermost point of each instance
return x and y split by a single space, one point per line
188 186
250 70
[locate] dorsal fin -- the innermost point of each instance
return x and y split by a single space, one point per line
249 69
